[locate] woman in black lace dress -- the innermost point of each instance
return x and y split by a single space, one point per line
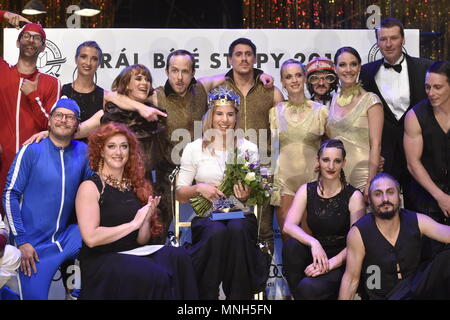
318 222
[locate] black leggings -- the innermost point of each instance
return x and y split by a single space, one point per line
296 257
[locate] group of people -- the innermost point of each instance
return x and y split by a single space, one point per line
109 203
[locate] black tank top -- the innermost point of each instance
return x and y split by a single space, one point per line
435 157
116 208
381 254
89 103
329 218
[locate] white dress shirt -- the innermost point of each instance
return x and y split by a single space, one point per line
394 87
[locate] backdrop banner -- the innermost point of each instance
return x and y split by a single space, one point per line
123 47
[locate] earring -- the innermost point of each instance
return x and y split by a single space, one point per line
73 74
100 165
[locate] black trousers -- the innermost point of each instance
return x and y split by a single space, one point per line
225 252
430 282
296 257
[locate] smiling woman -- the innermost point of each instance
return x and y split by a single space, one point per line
118 218
84 89
297 126
223 251
135 82
356 117
318 222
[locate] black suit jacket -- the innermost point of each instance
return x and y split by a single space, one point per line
392 139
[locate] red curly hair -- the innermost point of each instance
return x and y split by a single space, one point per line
134 168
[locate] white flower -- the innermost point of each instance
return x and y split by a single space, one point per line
250 177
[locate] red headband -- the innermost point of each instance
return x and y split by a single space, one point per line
320 64
36 27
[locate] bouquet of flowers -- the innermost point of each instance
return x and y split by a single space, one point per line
239 168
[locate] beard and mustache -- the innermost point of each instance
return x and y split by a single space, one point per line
385 215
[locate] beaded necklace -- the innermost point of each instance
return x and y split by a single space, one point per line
123 185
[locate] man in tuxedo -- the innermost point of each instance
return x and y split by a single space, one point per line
398 79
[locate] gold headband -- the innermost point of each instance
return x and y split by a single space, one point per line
222 102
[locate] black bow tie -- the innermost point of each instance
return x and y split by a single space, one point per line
396 67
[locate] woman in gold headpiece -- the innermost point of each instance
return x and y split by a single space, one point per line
356 117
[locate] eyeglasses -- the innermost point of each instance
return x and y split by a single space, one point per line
34 37
315 79
69 117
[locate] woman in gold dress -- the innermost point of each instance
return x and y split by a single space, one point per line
297 125
356 118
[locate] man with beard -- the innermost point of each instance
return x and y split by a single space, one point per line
384 248
26 95
322 80
426 143
39 198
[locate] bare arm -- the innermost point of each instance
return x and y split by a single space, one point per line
294 217
293 229
126 103
88 214
375 116
212 82
433 229
88 126
413 145
277 96
354 262
14 19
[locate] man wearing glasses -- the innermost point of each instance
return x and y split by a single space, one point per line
39 198
26 95
321 80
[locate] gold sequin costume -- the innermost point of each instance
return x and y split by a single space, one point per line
298 140
353 130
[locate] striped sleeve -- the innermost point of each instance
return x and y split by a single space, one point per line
16 183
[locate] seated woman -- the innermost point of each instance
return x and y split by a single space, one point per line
314 262
117 217
222 251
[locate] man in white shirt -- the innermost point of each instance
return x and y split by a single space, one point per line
398 80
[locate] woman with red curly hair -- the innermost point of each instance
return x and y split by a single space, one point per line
118 217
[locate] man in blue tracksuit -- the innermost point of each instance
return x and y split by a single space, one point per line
39 197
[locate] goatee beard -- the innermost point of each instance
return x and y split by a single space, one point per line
385 215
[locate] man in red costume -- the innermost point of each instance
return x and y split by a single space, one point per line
26 95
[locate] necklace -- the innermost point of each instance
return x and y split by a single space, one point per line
122 185
294 109
346 95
